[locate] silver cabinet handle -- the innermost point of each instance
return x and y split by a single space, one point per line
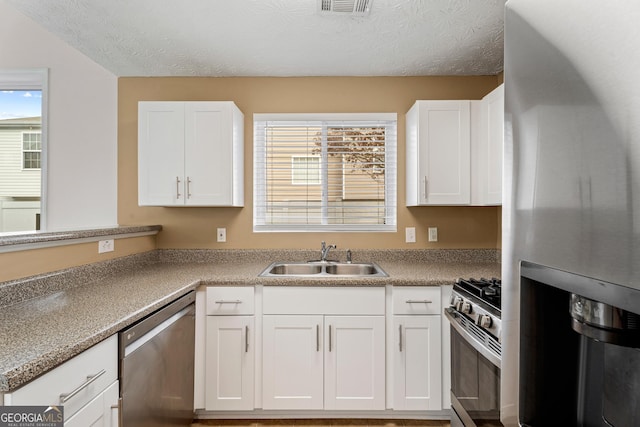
118 407
228 301
329 338
400 331
317 337
425 193
188 188
246 339
65 397
177 187
418 301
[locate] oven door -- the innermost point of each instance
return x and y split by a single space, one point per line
475 377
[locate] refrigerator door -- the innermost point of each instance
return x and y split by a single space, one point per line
572 151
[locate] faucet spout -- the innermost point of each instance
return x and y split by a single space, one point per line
324 251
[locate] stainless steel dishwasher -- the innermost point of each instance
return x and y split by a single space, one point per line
156 367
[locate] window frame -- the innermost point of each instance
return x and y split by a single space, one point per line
391 170
34 79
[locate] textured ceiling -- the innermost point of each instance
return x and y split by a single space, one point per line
278 37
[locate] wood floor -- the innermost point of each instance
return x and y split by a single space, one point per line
321 423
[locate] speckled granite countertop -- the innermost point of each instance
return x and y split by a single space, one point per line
35 237
48 319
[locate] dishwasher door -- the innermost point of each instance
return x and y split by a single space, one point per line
156 367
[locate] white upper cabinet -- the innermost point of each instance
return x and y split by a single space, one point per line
190 154
438 153
487 141
454 151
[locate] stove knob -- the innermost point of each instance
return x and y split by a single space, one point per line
479 319
466 307
486 321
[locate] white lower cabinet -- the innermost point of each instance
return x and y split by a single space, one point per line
417 363
362 349
230 362
354 363
85 385
292 362
101 411
324 348
323 362
230 339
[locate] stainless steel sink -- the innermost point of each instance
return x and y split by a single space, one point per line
293 269
326 269
366 269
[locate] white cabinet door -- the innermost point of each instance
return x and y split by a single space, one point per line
229 363
209 155
495 111
417 363
355 363
102 411
161 154
487 141
292 362
190 154
438 139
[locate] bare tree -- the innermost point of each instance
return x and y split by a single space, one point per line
362 147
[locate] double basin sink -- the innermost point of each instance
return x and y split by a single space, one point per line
323 268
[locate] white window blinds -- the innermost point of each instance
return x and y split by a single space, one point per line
325 172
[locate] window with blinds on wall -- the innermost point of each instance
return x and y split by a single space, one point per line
319 172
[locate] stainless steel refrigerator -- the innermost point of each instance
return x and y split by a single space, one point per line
571 213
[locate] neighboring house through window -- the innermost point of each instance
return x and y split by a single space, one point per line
325 172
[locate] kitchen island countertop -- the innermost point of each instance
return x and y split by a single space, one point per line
48 319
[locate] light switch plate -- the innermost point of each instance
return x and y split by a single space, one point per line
433 234
410 234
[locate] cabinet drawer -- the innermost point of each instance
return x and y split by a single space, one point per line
324 300
100 360
417 300
226 300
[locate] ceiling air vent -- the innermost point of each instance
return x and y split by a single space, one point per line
345 7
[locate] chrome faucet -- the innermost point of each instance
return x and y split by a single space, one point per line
324 251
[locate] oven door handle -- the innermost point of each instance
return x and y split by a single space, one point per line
477 345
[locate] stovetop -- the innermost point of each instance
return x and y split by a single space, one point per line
488 291
479 301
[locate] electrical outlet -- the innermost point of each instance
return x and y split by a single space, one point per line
221 235
105 246
433 234
410 234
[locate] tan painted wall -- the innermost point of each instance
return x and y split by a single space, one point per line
459 227
20 264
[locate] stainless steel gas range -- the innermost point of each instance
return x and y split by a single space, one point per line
476 352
